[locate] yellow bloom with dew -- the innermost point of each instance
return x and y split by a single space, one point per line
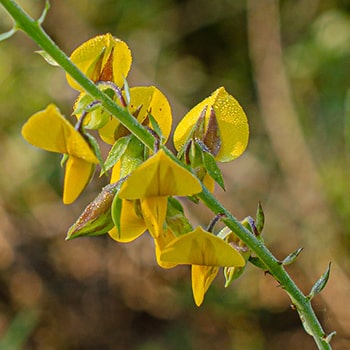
233 130
143 100
206 253
102 58
49 130
152 183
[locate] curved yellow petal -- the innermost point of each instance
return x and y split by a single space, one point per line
232 121
165 237
201 248
131 225
77 175
202 277
150 100
49 130
102 58
154 212
209 182
159 176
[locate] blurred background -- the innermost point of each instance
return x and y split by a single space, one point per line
287 62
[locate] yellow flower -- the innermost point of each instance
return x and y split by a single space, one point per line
49 130
102 58
143 100
206 253
231 120
152 183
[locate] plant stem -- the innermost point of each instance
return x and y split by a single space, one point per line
34 30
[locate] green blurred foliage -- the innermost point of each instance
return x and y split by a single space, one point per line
96 294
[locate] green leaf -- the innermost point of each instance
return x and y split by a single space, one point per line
212 168
133 156
116 153
260 219
289 259
127 92
8 34
258 263
155 126
328 338
320 283
96 148
47 58
41 19
116 210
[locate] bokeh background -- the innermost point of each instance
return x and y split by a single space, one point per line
287 62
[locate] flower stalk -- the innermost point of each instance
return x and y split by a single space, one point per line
301 302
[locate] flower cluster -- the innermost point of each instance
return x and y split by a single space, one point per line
144 184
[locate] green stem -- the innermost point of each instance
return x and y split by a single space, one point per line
34 30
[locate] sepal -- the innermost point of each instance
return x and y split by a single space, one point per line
96 219
320 283
290 258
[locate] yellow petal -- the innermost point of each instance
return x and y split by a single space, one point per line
165 237
202 277
92 56
154 212
201 248
77 175
232 121
49 130
131 225
159 176
151 100
209 182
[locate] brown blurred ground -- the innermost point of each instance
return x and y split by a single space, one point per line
287 63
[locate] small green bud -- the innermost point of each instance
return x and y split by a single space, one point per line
212 135
259 219
328 338
231 273
96 219
320 283
289 259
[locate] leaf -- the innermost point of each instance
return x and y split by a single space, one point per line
47 58
260 219
213 169
8 34
320 283
41 19
115 153
155 126
258 263
290 258
96 147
